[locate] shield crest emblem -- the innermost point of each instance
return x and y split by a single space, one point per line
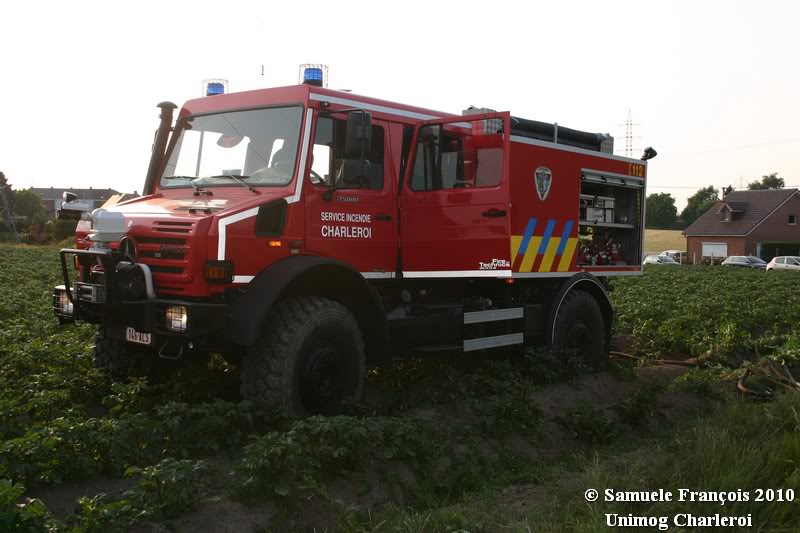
543 178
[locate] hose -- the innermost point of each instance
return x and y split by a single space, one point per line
779 375
689 362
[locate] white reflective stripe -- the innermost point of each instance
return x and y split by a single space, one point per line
569 274
600 273
378 275
301 173
224 222
567 148
543 274
457 274
242 279
387 110
372 107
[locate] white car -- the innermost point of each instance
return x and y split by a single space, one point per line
677 255
784 262
659 260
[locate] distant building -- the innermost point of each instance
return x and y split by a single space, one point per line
761 223
92 198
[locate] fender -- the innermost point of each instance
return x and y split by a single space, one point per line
587 283
331 279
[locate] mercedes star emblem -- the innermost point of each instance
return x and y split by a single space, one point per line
127 248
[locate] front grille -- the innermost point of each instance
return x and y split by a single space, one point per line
171 226
165 250
163 254
159 240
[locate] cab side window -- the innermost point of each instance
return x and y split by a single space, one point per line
449 160
328 154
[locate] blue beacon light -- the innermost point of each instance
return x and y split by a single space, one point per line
215 88
313 76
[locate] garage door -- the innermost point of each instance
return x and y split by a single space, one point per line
716 249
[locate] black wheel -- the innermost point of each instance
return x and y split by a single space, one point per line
111 354
308 360
579 328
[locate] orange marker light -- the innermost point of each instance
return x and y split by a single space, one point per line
509 281
275 244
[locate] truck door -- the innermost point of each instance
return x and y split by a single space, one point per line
454 201
355 224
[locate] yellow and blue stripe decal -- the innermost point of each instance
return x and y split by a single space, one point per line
545 253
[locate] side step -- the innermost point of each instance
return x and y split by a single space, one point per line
478 317
495 341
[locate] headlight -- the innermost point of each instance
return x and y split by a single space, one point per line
62 306
176 318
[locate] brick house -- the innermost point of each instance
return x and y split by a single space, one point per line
760 223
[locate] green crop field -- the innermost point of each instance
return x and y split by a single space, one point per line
658 240
509 443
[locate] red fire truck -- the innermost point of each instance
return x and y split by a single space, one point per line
306 233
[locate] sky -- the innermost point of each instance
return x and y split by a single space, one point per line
713 86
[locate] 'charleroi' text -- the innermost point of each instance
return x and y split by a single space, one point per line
346 232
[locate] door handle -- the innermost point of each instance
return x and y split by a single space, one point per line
494 213
383 217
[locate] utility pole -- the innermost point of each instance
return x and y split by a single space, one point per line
629 135
629 124
6 216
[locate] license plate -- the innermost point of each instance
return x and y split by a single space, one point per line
131 335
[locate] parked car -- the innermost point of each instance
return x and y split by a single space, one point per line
784 262
659 260
677 255
744 261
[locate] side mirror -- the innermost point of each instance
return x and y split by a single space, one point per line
354 173
358 136
68 197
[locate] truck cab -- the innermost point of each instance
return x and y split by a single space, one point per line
305 233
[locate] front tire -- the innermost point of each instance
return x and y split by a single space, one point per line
308 360
579 327
111 355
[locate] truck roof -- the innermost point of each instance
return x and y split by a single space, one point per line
301 94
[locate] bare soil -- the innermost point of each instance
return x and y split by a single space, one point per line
373 491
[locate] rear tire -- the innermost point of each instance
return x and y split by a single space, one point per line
308 360
111 355
579 327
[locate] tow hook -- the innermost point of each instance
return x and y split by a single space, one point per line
168 350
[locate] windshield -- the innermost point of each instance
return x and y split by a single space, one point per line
259 146
754 259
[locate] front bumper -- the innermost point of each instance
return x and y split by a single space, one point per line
105 302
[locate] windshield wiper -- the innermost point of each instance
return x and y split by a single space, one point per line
198 190
237 179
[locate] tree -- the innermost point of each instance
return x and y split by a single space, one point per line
661 210
699 203
29 204
768 181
